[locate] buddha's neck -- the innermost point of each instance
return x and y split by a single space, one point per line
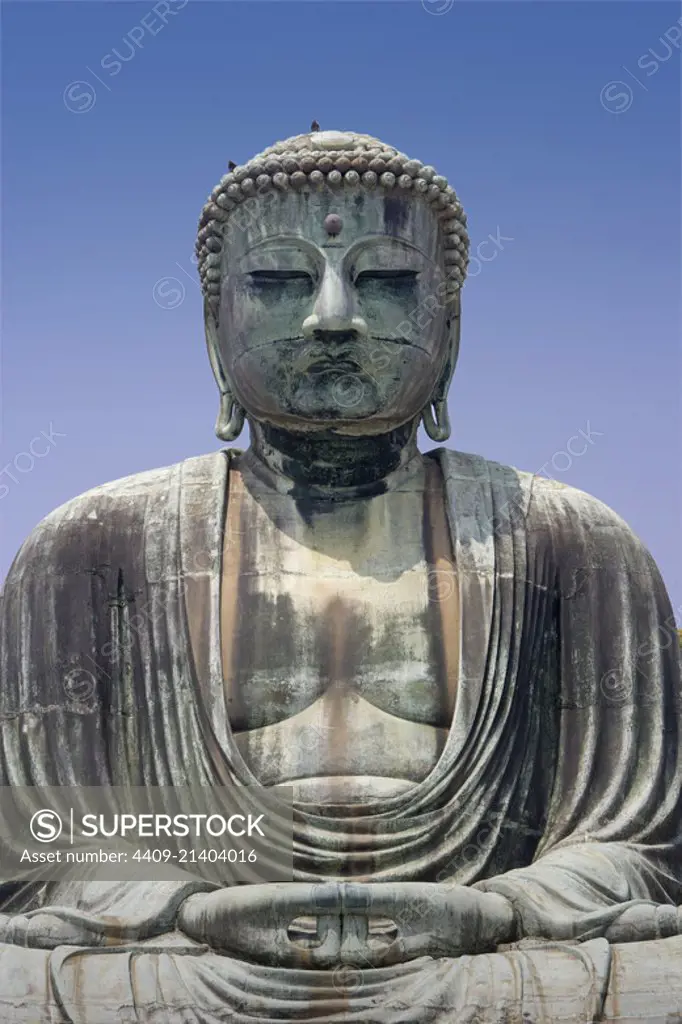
328 467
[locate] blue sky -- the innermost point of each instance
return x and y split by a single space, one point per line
573 326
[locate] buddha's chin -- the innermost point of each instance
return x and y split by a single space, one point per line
325 422
337 403
321 423
332 399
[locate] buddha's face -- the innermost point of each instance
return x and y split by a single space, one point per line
332 310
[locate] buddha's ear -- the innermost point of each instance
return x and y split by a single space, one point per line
453 322
435 416
213 347
231 415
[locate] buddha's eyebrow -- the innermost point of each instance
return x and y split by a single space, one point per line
373 241
280 241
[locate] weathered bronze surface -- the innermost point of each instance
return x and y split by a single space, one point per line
468 675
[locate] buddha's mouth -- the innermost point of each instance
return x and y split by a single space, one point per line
344 365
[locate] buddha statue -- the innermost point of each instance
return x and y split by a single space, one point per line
467 675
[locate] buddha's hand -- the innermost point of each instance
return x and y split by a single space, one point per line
645 921
373 924
45 929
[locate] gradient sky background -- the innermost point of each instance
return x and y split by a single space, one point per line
575 322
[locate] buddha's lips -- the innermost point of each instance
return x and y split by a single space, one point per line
318 358
347 365
343 357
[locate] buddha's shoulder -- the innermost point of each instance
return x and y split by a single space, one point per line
538 498
88 526
131 495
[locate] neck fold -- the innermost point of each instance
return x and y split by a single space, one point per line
328 467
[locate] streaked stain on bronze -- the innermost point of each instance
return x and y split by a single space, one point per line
444 605
230 590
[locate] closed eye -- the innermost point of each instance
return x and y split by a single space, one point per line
398 276
277 276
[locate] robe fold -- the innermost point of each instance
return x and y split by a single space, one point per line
559 785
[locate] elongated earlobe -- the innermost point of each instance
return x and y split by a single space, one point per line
435 416
437 426
231 416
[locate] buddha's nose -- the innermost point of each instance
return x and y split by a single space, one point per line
335 310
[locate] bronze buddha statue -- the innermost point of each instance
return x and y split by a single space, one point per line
422 647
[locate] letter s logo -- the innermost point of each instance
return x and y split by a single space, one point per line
46 826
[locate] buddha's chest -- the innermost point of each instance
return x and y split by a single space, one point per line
339 643
306 628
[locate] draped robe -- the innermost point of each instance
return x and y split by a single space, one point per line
559 785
